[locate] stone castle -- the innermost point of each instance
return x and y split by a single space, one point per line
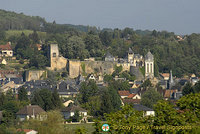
76 67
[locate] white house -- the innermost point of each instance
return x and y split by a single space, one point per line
70 111
147 111
6 50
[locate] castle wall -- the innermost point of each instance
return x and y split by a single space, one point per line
35 75
87 67
74 67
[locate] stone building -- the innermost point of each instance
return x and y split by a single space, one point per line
149 66
57 62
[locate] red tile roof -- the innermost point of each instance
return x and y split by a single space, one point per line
124 93
6 47
131 95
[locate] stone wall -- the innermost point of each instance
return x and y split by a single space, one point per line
76 67
35 75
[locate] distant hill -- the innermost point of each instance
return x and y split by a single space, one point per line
18 21
14 21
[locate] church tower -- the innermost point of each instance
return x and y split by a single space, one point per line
130 55
171 81
149 66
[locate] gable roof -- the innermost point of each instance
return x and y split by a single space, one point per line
73 109
30 110
131 95
139 107
6 47
108 55
149 56
130 51
124 93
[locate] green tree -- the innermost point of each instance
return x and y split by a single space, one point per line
150 97
22 94
44 99
126 120
76 117
187 89
56 99
53 120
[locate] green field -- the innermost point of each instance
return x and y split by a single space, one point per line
26 32
72 127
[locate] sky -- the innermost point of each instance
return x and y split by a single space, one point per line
178 16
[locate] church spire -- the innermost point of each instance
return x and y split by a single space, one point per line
171 81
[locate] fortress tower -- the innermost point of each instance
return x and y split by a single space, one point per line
57 62
149 66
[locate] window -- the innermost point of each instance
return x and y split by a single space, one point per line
54 54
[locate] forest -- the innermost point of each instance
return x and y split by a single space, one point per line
171 52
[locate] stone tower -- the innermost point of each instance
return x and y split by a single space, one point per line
170 81
57 62
149 66
130 55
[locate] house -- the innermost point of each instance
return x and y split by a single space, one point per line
66 90
6 50
168 94
91 77
66 104
134 96
124 94
27 131
30 111
164 76
147 111
70 111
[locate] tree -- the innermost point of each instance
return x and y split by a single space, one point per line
127 120
53 120
75 48
56 99
43 98
38 61
76 117
150 97
187 89
22 94
93 45
87 90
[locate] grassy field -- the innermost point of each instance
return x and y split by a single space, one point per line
72 127
26 32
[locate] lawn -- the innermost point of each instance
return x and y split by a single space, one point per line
88 126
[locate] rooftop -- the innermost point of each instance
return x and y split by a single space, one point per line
30 110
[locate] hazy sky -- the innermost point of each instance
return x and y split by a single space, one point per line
179 16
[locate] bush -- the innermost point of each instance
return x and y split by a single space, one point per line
21 61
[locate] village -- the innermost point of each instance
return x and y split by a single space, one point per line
168 86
